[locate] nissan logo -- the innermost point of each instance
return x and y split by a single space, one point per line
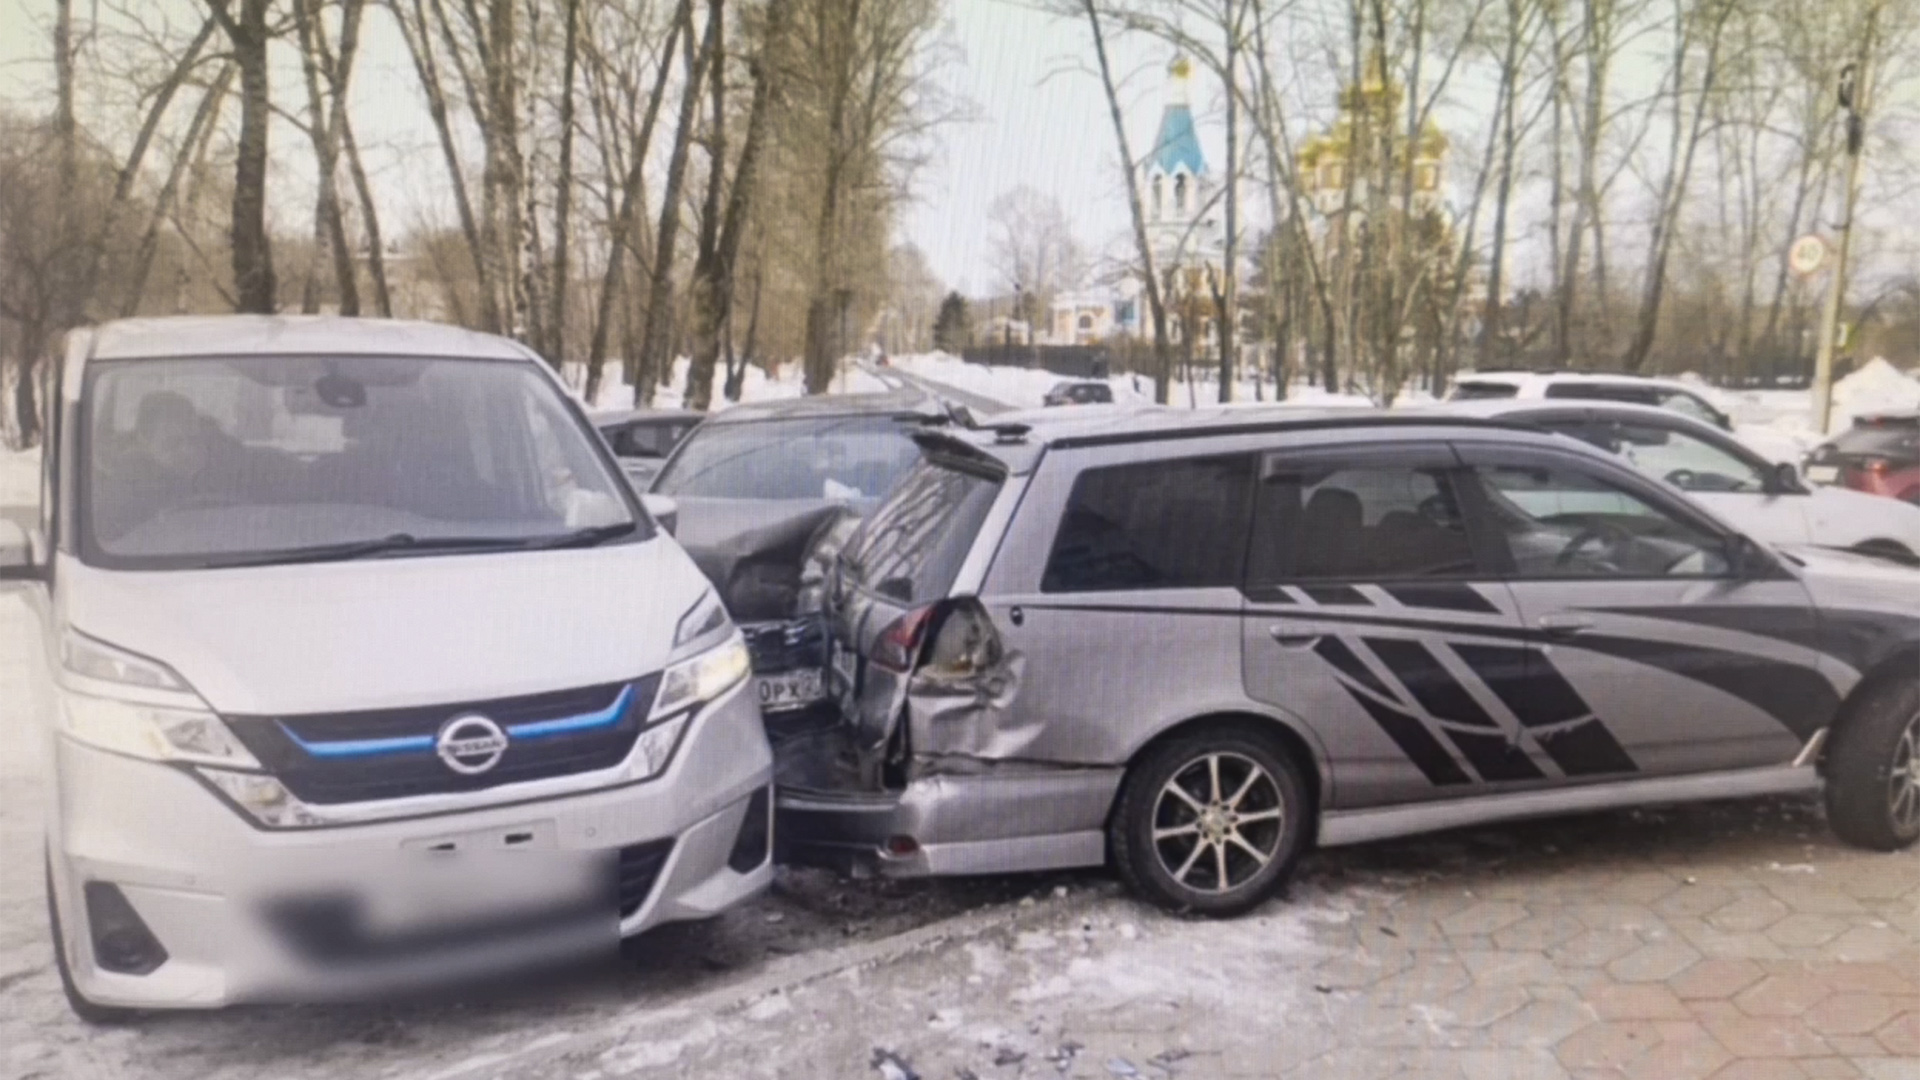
470 745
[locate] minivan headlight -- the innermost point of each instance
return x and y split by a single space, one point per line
702 677
118 701
705 617
152 732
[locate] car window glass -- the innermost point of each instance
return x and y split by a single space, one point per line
1689 405
841 458
1590 391
1155 525
1482 391
1564 522
1681 459
911 547
1367 523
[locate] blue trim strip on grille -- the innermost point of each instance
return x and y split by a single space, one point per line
606 717
349 748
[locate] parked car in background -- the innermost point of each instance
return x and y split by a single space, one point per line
766 494
1582 386
1079 393
1197 645
641 439
319 598
1767 501
1879 454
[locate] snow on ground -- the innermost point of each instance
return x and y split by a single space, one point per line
787 382
19 478
1026 388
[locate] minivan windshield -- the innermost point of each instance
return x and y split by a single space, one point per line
846 458
202 462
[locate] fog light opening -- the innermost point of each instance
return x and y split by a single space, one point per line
753 844
900 847
121 941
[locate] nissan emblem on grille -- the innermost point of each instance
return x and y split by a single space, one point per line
471 744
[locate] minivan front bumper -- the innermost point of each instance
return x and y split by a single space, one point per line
215 890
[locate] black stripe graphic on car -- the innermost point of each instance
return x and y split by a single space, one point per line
1478 735
1801 699
1336 595
1444 595
1556 717
1856 637
1335 652
1415 741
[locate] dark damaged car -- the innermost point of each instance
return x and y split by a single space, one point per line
1195 646
766 494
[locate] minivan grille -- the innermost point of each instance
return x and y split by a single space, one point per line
326 758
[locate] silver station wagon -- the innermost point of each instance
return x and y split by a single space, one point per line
1195 645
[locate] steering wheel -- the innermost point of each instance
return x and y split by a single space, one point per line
1611 534
1684 479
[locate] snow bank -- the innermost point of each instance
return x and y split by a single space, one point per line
19 478
1026 388
1778 424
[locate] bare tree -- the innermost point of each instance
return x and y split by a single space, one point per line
248 33
1032 246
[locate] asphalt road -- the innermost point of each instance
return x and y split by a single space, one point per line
978 405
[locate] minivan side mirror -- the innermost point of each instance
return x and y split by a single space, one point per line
1747 560
1785 480
16 554
664 510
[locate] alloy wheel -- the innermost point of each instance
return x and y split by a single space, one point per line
1903 780
1218 822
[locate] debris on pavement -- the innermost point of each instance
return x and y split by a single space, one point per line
892 1066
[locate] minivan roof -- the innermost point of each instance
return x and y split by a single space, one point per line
285 335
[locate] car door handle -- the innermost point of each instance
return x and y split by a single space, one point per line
1565 626
1292 637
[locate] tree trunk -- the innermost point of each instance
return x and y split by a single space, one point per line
500 179
255 288
1503 192
656 349
1229 299
203 122
556 343
623 219
419 38
1143 248
369 220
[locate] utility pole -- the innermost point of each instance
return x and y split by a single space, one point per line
1856 86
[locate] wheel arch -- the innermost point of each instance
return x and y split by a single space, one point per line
1902 663
1293 740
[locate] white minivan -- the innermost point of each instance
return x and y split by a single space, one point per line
363 665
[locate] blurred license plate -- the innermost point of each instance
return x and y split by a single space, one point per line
1823 474
791 689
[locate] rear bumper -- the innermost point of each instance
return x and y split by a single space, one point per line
1010 819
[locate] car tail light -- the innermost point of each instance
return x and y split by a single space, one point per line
899 643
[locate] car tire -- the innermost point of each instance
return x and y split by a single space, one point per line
1240 806
1873 770
88 1011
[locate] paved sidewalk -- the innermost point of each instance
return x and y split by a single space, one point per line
1735 941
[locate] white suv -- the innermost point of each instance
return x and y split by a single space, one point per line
1563 385
361 664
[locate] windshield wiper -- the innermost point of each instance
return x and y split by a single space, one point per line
361 549
590 537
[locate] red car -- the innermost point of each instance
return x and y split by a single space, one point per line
1879 454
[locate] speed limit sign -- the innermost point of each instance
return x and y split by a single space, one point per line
1808 255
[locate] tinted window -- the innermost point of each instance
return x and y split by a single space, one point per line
1563 522
1157 525
911 547
190 460
1482 391
851 458
1689 405
1589 391
1368 523
1681 459
1885 440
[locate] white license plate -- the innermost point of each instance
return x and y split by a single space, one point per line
1823 474
791 689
